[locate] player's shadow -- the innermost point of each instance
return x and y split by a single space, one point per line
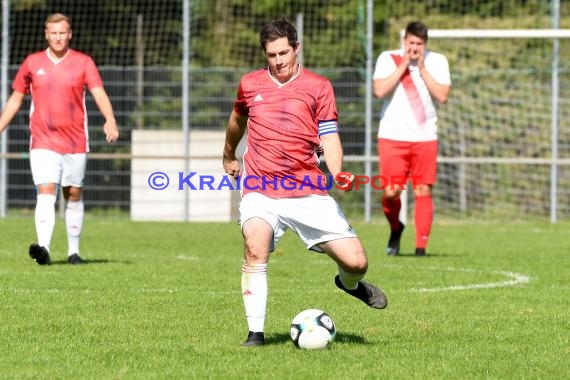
91 261
277 339
426 257
349 338
340 338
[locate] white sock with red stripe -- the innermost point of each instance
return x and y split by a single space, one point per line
45 218
254 292
74 212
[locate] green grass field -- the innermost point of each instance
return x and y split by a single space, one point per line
162 301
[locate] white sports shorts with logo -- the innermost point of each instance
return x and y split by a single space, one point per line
315 218
52 167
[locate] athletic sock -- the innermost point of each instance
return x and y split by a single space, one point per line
74 212
423 217
349 280
254 293
45 218
392 208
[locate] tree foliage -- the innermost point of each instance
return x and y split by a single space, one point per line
225 32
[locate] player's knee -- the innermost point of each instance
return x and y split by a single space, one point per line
422 190
72 194
255 253
358 264
392 193
362 267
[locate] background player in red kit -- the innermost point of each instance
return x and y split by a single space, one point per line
291 116
411 81
56 79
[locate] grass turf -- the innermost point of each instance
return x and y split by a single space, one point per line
162 301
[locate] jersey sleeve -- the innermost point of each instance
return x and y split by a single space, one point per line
439 69
327 114
23 78
92 76
385 66
240 104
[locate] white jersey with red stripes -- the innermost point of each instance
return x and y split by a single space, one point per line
409 113
58 118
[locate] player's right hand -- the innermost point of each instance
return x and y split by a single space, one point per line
231 167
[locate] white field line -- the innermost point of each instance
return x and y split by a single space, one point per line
511 279
182 257
90 291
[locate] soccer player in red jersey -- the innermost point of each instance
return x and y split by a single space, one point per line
411 81
56 79
291 117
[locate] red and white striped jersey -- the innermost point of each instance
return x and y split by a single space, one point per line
409 113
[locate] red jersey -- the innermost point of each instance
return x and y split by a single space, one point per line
58 118
284 125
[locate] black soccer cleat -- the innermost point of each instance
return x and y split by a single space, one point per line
393 248
39 254
254 339
420 252
75 259
367 293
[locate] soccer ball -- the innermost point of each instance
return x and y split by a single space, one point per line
312 329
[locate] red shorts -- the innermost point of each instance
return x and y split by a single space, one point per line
401 161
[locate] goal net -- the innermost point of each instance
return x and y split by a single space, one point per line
497 132
140 47
505 133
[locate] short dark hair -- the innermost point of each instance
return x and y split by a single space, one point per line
418 29
276 29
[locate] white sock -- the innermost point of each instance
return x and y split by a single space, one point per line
349 280
45 218
254 292
74 212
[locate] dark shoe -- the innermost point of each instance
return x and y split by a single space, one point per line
254 339
393 248
75 259
39 254
367 293
420 251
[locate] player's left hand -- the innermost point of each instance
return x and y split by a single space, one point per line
344 181
231 166
111 131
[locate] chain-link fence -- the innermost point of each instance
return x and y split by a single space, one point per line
495 132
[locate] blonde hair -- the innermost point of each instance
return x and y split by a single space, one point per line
57 17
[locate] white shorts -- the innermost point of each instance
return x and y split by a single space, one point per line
315 218
51 167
